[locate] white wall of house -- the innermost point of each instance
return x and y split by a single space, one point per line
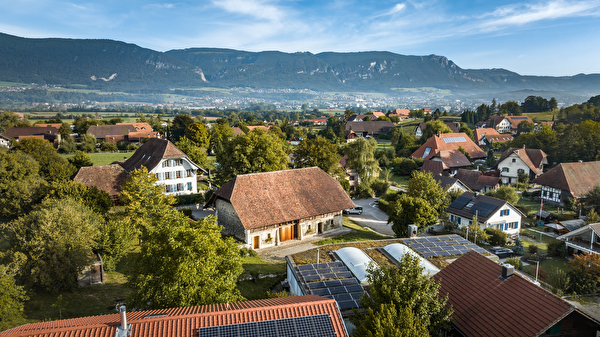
457 187
507 219
551 194
503 126
178 175
511 167
418 132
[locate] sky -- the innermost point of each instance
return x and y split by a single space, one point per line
546 37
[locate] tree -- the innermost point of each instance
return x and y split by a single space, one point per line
518 248
408 210
196 153
184 263
97 200
435 127
256 151
114 241
198 134
67 145
422 185
87 143
465 129
524 127
584 273
65 130
221 132
319 152
505 192
52 166
178 126
511 108
490 160
9 119
81 159
12 298
591 200
361 157
52 244
390 321
496 237
405 286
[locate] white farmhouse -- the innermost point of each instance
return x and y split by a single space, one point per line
491 213
515 161
170 165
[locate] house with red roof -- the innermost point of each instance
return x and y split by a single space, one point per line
516 120
107 178
486 136
268 208
421 127
568 180
298 316
491 300
446 148
477 181
48 133
515 161
500 123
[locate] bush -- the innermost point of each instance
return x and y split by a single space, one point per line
132 147
557 249
559 280
581 283
365 191
496 237
404 166
518 248
380 186
189 199
383 205
187 211
516 262
532 249
108 147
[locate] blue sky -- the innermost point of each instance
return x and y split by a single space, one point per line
546 37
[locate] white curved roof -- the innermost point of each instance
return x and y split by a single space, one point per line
356 260
398 250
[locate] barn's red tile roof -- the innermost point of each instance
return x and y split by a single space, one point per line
108 178
446 142
516 120
138 126
185 322
47 132
486 305
576 178
151 153
269 198
103 131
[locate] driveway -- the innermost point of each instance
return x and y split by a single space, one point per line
372 217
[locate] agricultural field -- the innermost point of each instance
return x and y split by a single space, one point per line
105 158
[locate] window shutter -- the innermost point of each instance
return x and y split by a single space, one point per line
507 212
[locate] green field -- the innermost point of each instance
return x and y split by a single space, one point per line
105 158
12 84
542 116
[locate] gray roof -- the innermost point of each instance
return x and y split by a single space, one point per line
484 206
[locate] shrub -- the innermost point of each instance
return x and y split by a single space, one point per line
365 191
496 237
557 248
559 280
581 283
518 248
532 249
380 186
187 211
108 147
516 262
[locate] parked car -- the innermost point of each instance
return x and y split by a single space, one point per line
502 252
355 210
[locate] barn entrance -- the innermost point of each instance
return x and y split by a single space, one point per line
288 232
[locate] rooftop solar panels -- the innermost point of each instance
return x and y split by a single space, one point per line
306 326
447 245
449 140
323 271
460 202
483 208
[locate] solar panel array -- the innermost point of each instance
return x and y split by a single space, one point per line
332 280
306 326
483 208
447 245
449 140
460 202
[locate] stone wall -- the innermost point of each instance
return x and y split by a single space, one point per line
228 218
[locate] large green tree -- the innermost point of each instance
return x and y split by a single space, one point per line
221 132
390 321
434 127
184 263
12 298
361 157
408 289
256 151
178 126
319 152
52 166
52 244
81 159
505 192
198 134
422 185
407 210
196 153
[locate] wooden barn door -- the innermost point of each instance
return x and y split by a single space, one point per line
286 233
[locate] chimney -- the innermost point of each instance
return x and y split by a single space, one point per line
507 271
523 145
123 330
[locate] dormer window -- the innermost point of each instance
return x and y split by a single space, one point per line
470 204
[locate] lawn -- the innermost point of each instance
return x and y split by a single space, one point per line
542 116
359 234
383 145
402 181
105 158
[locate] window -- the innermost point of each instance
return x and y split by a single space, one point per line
157 176
512 225
351 178
470 222
458 220
520 171
178 174
505 169
451 217
179 187
189 186
514 160
167 175
188 173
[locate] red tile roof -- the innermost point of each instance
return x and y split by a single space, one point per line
475 180
452 159
492 135
485 305
516 120
139 126
269 198
434 166
449 141
576 178
103 131
43 125
47 132
402 112
185 322
108 178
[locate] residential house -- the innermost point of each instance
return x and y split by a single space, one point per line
477 181
434 167
350 136
516 120
449 142
487 136
452 160
171 166
491 300
500 123
491 213
111 133
108 178
370 128
515 161
419 129
319 121
378 114
568 180
138 126
265 209
361 118
298 316
4 141
48 133
143 131
584 239
400 113
295 141
450 184
427 111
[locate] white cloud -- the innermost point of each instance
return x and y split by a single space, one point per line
254 8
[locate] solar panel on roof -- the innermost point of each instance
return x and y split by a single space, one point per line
311 278
483 208
354 288
428 254
320 292
349 281
267 328
315 285
357 296
333 283
305 267
342 297
460 202
345 305
344 275
449 140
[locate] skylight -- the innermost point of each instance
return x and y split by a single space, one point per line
426 153
449 140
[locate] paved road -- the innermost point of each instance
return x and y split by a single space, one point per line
372 217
